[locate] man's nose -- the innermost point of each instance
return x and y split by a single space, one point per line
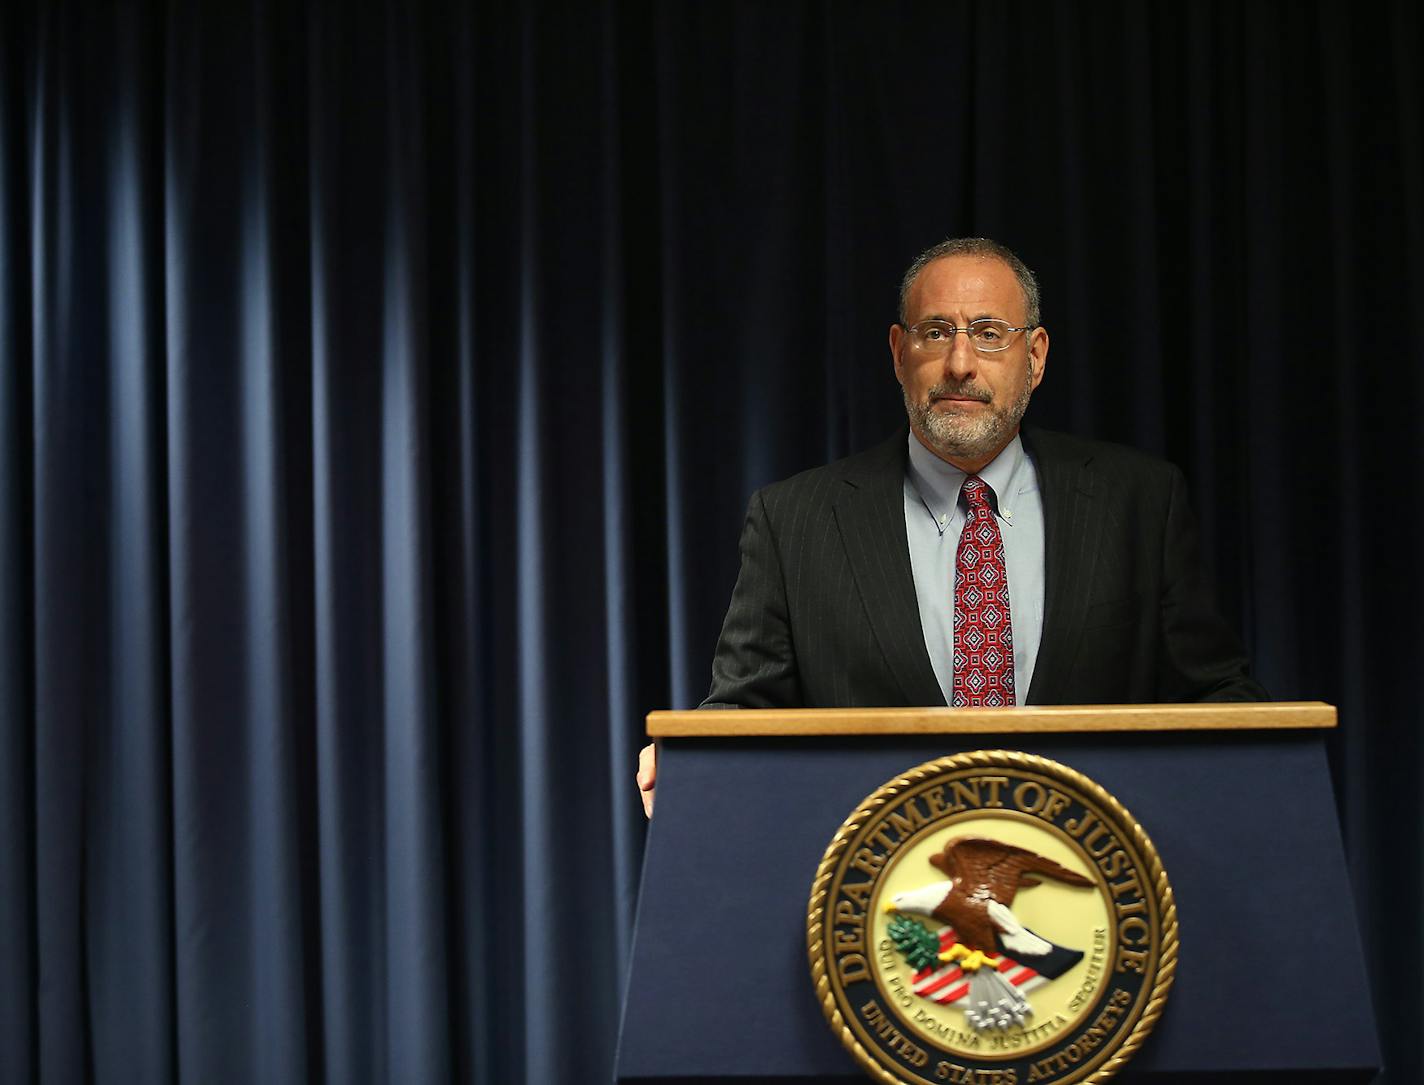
961 361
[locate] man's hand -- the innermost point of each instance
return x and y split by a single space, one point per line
647 775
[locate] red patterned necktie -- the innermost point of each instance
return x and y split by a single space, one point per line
983 637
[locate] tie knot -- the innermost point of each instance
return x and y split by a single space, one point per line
976 493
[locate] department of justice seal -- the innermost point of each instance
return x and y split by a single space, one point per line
992 918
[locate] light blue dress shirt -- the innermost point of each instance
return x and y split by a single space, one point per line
934 518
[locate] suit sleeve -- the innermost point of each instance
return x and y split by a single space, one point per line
755 662
1201 657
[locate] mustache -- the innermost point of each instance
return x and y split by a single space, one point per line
963 389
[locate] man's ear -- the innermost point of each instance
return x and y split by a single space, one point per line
897 337
1038 353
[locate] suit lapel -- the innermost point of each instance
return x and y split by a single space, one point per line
1072 523
870 514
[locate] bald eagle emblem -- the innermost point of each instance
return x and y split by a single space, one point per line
981 956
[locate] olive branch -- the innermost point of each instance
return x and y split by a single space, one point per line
916 942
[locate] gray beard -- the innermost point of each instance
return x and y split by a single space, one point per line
967 437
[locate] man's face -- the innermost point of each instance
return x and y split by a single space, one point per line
965 406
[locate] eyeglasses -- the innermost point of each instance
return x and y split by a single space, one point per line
986 335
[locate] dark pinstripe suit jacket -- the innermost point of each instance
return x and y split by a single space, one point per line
824 612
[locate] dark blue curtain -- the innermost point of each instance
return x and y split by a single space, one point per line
381 387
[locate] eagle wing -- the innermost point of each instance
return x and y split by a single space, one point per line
994 870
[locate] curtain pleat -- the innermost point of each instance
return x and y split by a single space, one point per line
129 899
382 387
18 932
349 231
66 552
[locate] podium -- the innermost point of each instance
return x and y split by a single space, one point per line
1271 981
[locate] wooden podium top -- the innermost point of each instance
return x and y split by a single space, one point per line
806 722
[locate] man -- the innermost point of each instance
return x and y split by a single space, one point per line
967 562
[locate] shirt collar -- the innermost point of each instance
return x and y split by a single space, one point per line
939 483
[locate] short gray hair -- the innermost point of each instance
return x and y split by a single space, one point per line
975 246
